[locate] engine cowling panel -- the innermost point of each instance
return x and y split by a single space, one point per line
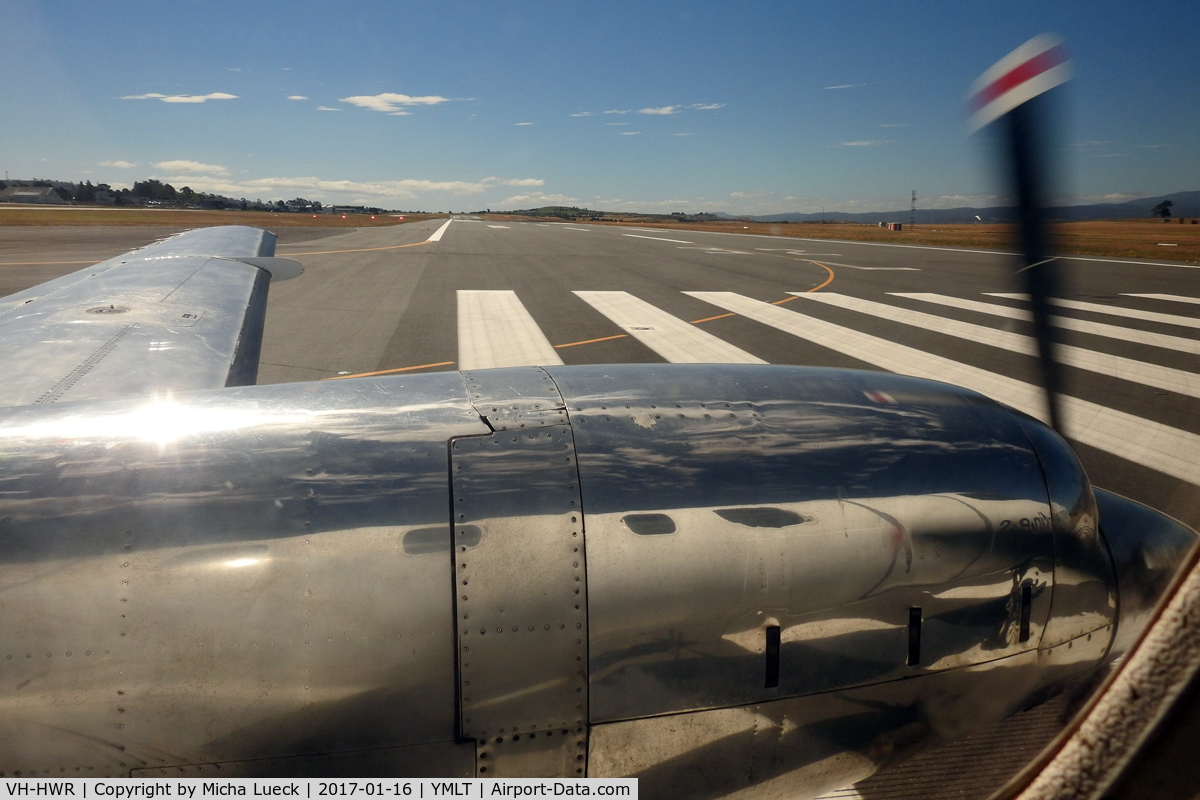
648 563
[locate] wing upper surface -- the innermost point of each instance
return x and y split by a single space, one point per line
180 314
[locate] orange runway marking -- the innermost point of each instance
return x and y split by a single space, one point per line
591 341
826 283
388 371
557 346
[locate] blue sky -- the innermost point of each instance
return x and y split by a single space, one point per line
666 106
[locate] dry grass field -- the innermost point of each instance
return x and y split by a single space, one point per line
1126 238
1141 238
186 218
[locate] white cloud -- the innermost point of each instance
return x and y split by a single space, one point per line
1093 143
519 124
181 98
617 111
875 143
586 114
616 123
958 201
660 111
191 166
390 103
630 133
296 97
894 125
399 113
118 164
234 69
707 106
1112 197
750 195
535 199
513 182
358 192
683 134
846 86
619 204
327 108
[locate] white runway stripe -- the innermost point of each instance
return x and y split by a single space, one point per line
1159 447
1116 311
495 330
656 238
1162 340
1175 298
436 236
677 341
1174 380
872 269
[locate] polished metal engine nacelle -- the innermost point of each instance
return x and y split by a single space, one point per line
708 577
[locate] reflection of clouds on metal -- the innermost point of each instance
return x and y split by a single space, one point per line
267 566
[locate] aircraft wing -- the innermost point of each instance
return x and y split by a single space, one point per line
183 313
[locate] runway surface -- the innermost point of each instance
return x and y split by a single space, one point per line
494 294
498 294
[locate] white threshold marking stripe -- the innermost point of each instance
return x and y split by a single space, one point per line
568 228
1163 340
1174 298
436 236
677 341
1116 311
1128 369
498 226
1160 447
495 330
657 238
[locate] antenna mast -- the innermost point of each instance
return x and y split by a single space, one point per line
912 213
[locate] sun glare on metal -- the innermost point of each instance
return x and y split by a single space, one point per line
161 422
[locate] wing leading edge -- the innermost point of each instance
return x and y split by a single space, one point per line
181 314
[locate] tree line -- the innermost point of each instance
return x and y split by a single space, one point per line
155 191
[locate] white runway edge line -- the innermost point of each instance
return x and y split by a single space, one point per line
657 238
1174 298
1115 311
949 249
677 341
1162 340
1127 369
495 330
877 269
1160 447
437 235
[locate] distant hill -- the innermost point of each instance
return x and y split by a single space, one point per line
1186 204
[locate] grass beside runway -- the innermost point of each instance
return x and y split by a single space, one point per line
1140 238
194 218
1148 238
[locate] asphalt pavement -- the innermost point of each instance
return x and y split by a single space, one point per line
384 300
